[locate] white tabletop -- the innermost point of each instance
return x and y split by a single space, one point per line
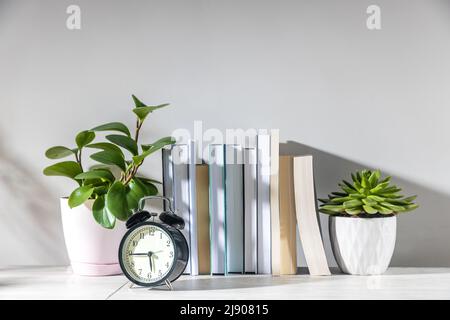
60 283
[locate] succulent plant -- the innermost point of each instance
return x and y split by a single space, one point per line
369 195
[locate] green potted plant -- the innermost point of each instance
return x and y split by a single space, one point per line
362 222
106 193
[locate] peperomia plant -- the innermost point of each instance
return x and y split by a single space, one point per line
115 195
369 195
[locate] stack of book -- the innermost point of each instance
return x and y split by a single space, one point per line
242 206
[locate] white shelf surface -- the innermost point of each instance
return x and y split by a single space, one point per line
60 283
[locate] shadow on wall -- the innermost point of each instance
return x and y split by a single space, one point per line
422 235
30 223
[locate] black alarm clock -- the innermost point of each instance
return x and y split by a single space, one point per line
153 253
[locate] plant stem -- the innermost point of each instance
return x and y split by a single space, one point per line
131 172
138 128
78 158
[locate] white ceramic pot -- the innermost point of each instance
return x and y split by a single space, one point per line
363 246
92 249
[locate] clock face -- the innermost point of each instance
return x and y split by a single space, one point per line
148 254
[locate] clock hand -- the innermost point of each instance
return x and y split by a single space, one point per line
138 254
150 254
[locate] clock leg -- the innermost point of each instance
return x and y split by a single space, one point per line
168 284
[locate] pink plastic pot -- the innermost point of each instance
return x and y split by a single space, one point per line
92 249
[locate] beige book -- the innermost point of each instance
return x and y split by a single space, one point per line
203 239
274 201
288 220
307 219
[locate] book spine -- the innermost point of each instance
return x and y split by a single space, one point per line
234 208
274 201
180 156
307 219
203 234
167 173
250 211
264 229
288 220
193 208
217 209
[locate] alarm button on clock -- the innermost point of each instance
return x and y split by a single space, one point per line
137 218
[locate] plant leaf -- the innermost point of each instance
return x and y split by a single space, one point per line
410 207
96 174
68 169
376 198
388 190
144 111
80 195
161 143
113 126
374 177
110 157
84 138
357 196
148 180
138 103
382 209
393 207
410 199
339 194
348 184
115 201
102 215
125 142
151 189
135 191
354 211
327 211
106 146
369 209
364 181
348 190
352 203
333 208
59 152
369 202
341 199
380 187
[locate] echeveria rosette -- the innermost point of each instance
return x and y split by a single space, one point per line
112 183
368 195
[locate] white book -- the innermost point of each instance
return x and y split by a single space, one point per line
234 207
307 219
264 228
180 159
274 202
167 173
250 211
193 208
217 208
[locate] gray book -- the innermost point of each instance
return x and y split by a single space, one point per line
234 207
167 173
250 211
193 207
217 208
264 213
181 195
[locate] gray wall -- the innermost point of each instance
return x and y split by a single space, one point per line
350 96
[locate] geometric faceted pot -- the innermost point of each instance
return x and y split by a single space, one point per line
92 249
363 246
